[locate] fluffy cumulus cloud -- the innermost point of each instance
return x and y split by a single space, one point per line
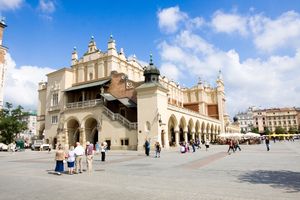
21 83
10 4
267 81
282 32
268 35
229 23
169 19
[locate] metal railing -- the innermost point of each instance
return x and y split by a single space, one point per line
84 104
120 118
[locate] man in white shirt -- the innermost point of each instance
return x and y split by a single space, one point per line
79 152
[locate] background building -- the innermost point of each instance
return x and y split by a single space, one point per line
3 51
275 117
31 121
105 96
245 120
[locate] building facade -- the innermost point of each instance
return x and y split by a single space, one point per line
245 120
105 96
31 126
3 51
275 117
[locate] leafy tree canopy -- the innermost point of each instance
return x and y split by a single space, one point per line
279 130
254 130
293 130
11 122
267 131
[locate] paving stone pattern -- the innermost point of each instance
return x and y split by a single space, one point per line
253 173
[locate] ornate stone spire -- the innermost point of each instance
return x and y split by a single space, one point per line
92 45
111 47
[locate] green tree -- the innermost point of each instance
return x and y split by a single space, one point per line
293 130
279 130
254 129
11 122
267 131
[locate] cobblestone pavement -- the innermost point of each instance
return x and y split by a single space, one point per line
252 173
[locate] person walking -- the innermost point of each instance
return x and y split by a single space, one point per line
79 152
103 151
237 145
268 144
59 157
71 160
147 147
193 145
89 152
157 150
231 146
206 145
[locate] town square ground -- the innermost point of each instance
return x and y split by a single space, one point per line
252 173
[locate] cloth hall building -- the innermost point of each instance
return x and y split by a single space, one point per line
105 96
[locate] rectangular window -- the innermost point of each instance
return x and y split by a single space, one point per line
54 99
54 119
125 142
294 121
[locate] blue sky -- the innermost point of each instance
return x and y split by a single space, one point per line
254 43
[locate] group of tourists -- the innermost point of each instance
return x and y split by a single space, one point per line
185 146
74 157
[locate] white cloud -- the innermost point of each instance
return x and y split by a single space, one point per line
170 70
46 6
10 4
271 35
169 19
229 23
268 34
268 82
21 84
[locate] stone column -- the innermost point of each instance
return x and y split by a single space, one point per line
204 135
193 136
66 132
176 137
82 136
199 136
185 136
166 139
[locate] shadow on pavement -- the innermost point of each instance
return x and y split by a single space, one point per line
287 180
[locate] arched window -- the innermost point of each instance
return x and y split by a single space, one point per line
147 126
